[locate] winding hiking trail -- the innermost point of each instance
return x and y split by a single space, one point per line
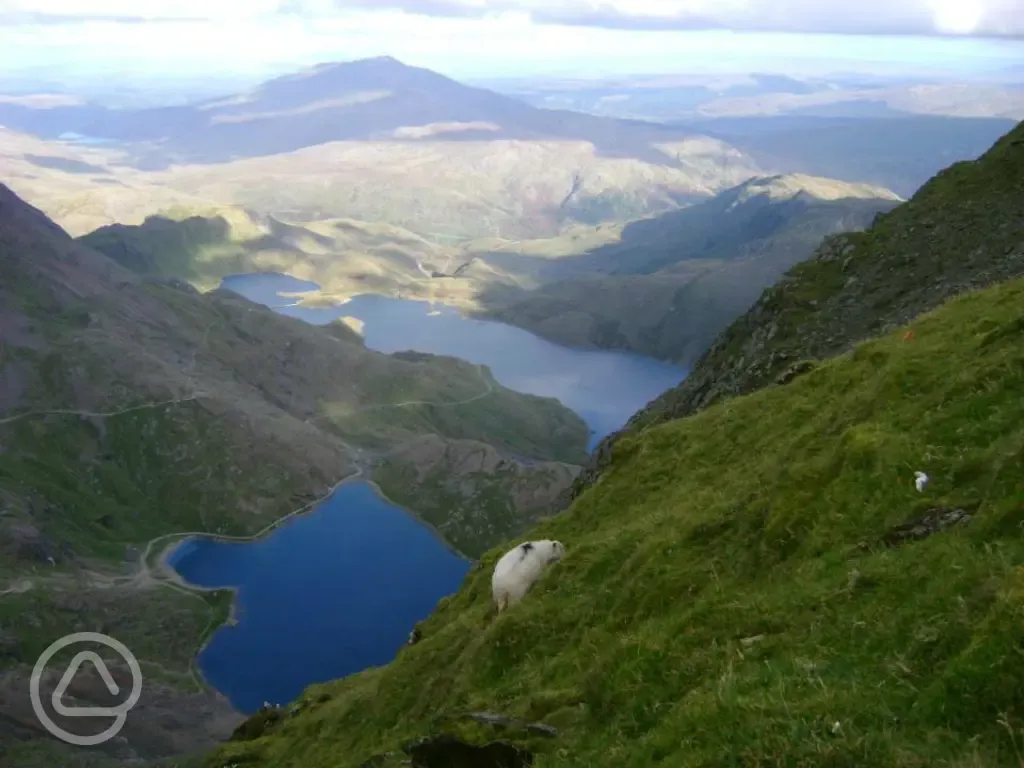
150 575
101 414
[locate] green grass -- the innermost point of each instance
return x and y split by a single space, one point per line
159 625
459 400
473 511
727 596
121 484
201 250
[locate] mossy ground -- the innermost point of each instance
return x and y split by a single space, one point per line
459 400
109 485
728 598
472 511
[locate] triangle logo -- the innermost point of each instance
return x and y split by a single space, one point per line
69 675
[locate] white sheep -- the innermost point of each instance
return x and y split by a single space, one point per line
519 568
920 481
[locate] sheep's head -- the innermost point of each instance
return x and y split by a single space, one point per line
557 551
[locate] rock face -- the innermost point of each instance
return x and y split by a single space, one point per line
931 522
963 230
167 721
24 541
450 752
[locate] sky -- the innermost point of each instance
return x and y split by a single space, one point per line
501 38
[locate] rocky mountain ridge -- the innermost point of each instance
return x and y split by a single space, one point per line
674 281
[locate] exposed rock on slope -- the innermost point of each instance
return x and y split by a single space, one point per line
963 229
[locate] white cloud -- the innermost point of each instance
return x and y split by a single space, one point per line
961 17
141 9
482 38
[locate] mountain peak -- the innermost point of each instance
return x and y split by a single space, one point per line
790 186
371 61
384 60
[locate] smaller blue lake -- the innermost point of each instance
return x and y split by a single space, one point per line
605 388
325 595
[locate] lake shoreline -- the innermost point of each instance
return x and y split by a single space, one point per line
167 574
603 387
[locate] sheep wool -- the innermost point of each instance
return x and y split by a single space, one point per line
519 568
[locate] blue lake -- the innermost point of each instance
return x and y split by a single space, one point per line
338 590
604 388
326 595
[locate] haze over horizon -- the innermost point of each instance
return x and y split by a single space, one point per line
473 39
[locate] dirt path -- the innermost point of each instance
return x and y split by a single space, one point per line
101 414
18 587
488 391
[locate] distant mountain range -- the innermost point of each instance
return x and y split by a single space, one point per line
373 140
377 99
962 231
672 97
378 141
900 153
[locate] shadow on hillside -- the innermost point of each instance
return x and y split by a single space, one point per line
707 230
167 247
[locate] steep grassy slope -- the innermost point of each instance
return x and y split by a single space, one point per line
130 410
963 229
673 282
474 496
742 586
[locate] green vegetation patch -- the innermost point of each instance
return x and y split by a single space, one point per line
450 397
90 493
733 594
474 511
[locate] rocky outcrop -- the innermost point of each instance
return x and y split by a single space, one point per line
931 522
446 750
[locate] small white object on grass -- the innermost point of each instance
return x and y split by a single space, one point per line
920 480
